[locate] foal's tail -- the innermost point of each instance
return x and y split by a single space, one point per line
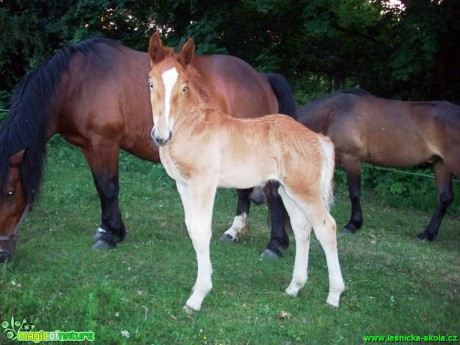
327 171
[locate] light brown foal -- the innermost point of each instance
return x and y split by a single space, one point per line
202 149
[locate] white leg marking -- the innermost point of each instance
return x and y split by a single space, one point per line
239 228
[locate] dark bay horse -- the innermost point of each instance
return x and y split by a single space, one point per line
95 95
202 148
390 133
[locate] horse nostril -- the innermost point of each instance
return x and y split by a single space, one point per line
4 257
160 141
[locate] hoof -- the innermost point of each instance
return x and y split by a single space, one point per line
98 234
227 238
188 310
102 245
347 231
426 237
270 254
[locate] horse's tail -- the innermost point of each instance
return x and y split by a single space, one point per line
327 171
283 93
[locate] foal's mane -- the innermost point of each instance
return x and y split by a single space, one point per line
31 111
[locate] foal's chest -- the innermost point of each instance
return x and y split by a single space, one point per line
171 166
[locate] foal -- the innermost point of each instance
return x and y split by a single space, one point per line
202 149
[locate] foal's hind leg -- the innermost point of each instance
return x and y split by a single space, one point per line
302 230
445 197
325 230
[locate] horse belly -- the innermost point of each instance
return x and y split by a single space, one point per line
246 174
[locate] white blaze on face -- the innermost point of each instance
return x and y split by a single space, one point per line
169 80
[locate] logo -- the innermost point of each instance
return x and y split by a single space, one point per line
16 330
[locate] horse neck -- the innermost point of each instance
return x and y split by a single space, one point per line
192 111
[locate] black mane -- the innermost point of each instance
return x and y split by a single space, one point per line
30 114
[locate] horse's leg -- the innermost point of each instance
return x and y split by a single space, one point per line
201 201
240 225
353 170
444 199
325 230
103 161
279 238
302 230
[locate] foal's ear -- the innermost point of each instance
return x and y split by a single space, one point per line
187 52
156 51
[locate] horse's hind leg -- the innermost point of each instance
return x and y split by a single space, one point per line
279 238
325 230
103 161
353 170
444 199
240 224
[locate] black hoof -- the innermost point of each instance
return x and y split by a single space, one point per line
426 237
102 245
227 238
347 231
271 254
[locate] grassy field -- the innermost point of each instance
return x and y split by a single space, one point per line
134 294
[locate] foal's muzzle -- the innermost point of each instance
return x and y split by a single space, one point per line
158 139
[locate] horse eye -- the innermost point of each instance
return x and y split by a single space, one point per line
185 89
9 194
150 84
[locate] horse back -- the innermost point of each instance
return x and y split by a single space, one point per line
231 85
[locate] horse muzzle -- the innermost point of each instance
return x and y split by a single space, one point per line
160 140
6 251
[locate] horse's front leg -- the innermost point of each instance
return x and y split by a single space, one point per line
103 161
201 201
240 225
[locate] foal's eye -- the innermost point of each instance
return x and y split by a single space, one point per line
150 84
185 89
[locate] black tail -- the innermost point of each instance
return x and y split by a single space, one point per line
284 95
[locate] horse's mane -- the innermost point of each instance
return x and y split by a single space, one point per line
30 114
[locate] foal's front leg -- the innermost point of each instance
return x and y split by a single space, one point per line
198 219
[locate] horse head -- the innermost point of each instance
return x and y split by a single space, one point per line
13 207
169 86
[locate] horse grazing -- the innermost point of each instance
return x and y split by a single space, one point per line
390 133
91 94
202 149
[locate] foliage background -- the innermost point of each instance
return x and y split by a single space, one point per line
408 51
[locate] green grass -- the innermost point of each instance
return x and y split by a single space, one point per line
396 285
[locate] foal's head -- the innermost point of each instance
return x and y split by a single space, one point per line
169 86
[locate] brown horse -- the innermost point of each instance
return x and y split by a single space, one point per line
94 94
389 133
202 149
